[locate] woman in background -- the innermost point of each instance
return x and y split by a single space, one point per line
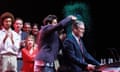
28 54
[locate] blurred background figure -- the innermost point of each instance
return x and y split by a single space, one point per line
18 25
28 54
9 44
35 30
27 27
49 43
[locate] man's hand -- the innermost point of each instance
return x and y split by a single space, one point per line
72 17
90 67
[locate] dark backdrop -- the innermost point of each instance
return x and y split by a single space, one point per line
103 34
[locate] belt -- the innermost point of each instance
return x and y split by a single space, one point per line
9 54
49 64
19 58
44 64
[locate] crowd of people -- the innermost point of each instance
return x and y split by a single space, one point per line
26 47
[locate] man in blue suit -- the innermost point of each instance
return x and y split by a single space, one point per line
75 55
49 43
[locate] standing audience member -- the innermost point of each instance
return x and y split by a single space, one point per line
28 54
62 36
35 31
27 27
18 25
49 43
77 59
9 44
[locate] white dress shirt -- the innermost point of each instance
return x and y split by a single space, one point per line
8 47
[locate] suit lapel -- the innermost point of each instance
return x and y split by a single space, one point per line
77 46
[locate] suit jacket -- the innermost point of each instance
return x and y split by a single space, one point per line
23 35
49 42
74 56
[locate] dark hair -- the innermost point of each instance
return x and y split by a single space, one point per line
18 18
49 19
28 23
7 15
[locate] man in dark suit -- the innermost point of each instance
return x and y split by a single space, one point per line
49 43
75 55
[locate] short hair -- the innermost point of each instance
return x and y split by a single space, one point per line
76 23
49 19
18 18
26 23
7 15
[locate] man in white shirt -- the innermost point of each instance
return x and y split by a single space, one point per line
18 25
9 44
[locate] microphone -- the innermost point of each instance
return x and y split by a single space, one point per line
114 53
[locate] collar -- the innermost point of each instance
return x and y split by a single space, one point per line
4 30
75 37
20 32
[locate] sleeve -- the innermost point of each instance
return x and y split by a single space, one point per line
1 45
49 28
1 41
70 53
26 56
90 58
16 45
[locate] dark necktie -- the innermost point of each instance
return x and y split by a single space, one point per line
81 48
